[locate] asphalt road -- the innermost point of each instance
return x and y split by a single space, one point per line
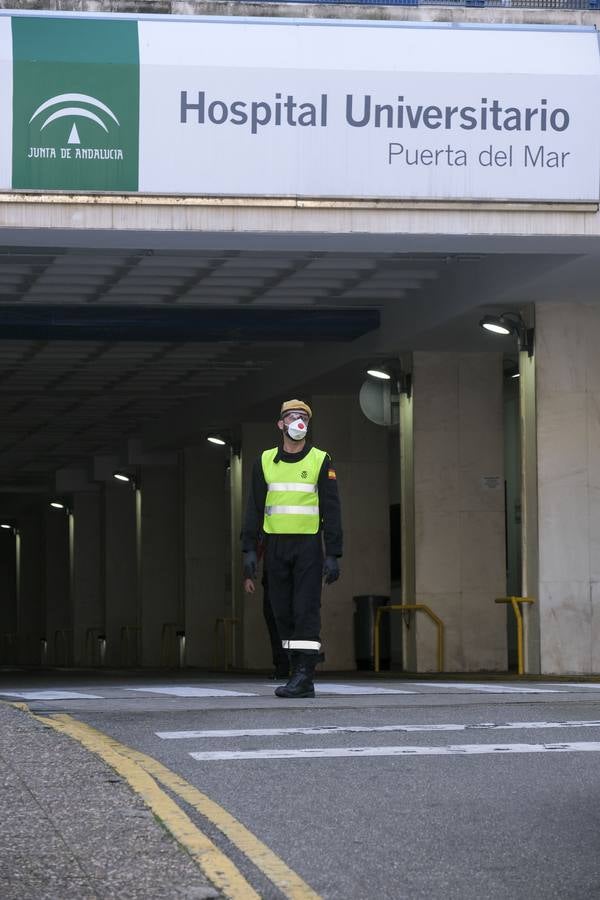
429 789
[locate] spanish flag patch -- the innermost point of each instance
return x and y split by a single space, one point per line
331 474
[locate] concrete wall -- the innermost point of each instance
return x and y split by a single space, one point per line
459 508
359 451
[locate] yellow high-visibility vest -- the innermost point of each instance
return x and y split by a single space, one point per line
292 506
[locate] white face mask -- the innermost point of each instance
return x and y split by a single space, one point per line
297 430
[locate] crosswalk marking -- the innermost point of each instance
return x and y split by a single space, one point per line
485 688
328 687
50 695
375 729
358 752
191 691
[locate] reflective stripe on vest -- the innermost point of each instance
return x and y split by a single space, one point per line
292 506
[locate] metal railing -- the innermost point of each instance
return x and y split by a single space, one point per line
95 646
172 645
516 602
410 607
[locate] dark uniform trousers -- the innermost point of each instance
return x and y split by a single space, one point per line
295 571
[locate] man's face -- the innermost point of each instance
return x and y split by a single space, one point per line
291 420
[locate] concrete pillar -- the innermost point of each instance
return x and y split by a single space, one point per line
407 530
256 437
359 451
459 508
8 597
568 452
88 586
31 621
162 610
58 532
120 576
529 511
207 552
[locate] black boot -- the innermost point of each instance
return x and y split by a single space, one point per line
301 682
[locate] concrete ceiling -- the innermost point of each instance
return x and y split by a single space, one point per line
64 401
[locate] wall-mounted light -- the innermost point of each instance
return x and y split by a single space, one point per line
214 439
126 478
510 323
9 526
393 373
380 374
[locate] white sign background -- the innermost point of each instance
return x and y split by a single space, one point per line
252 60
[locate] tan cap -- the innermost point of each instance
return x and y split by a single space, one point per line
295 406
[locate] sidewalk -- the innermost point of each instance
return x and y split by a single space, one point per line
72 829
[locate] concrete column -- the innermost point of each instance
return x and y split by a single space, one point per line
88 587
31 622
58 532
8 604
162 611
407 529
568 450
359 451
207 552
120 575
529 510
459 508
256 437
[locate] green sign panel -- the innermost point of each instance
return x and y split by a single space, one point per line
75 104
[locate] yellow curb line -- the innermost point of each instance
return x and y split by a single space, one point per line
289 883
215 865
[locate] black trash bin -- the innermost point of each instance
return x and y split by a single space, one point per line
365 608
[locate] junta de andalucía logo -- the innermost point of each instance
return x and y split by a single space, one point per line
73 107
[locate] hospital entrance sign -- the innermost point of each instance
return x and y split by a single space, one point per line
299 108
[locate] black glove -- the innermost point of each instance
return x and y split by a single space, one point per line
250 564
331 569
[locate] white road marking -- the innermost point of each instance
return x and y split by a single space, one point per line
359 729
50 695
328 687
484 688
191 691
453 750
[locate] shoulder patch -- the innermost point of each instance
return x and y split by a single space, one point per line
331 474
